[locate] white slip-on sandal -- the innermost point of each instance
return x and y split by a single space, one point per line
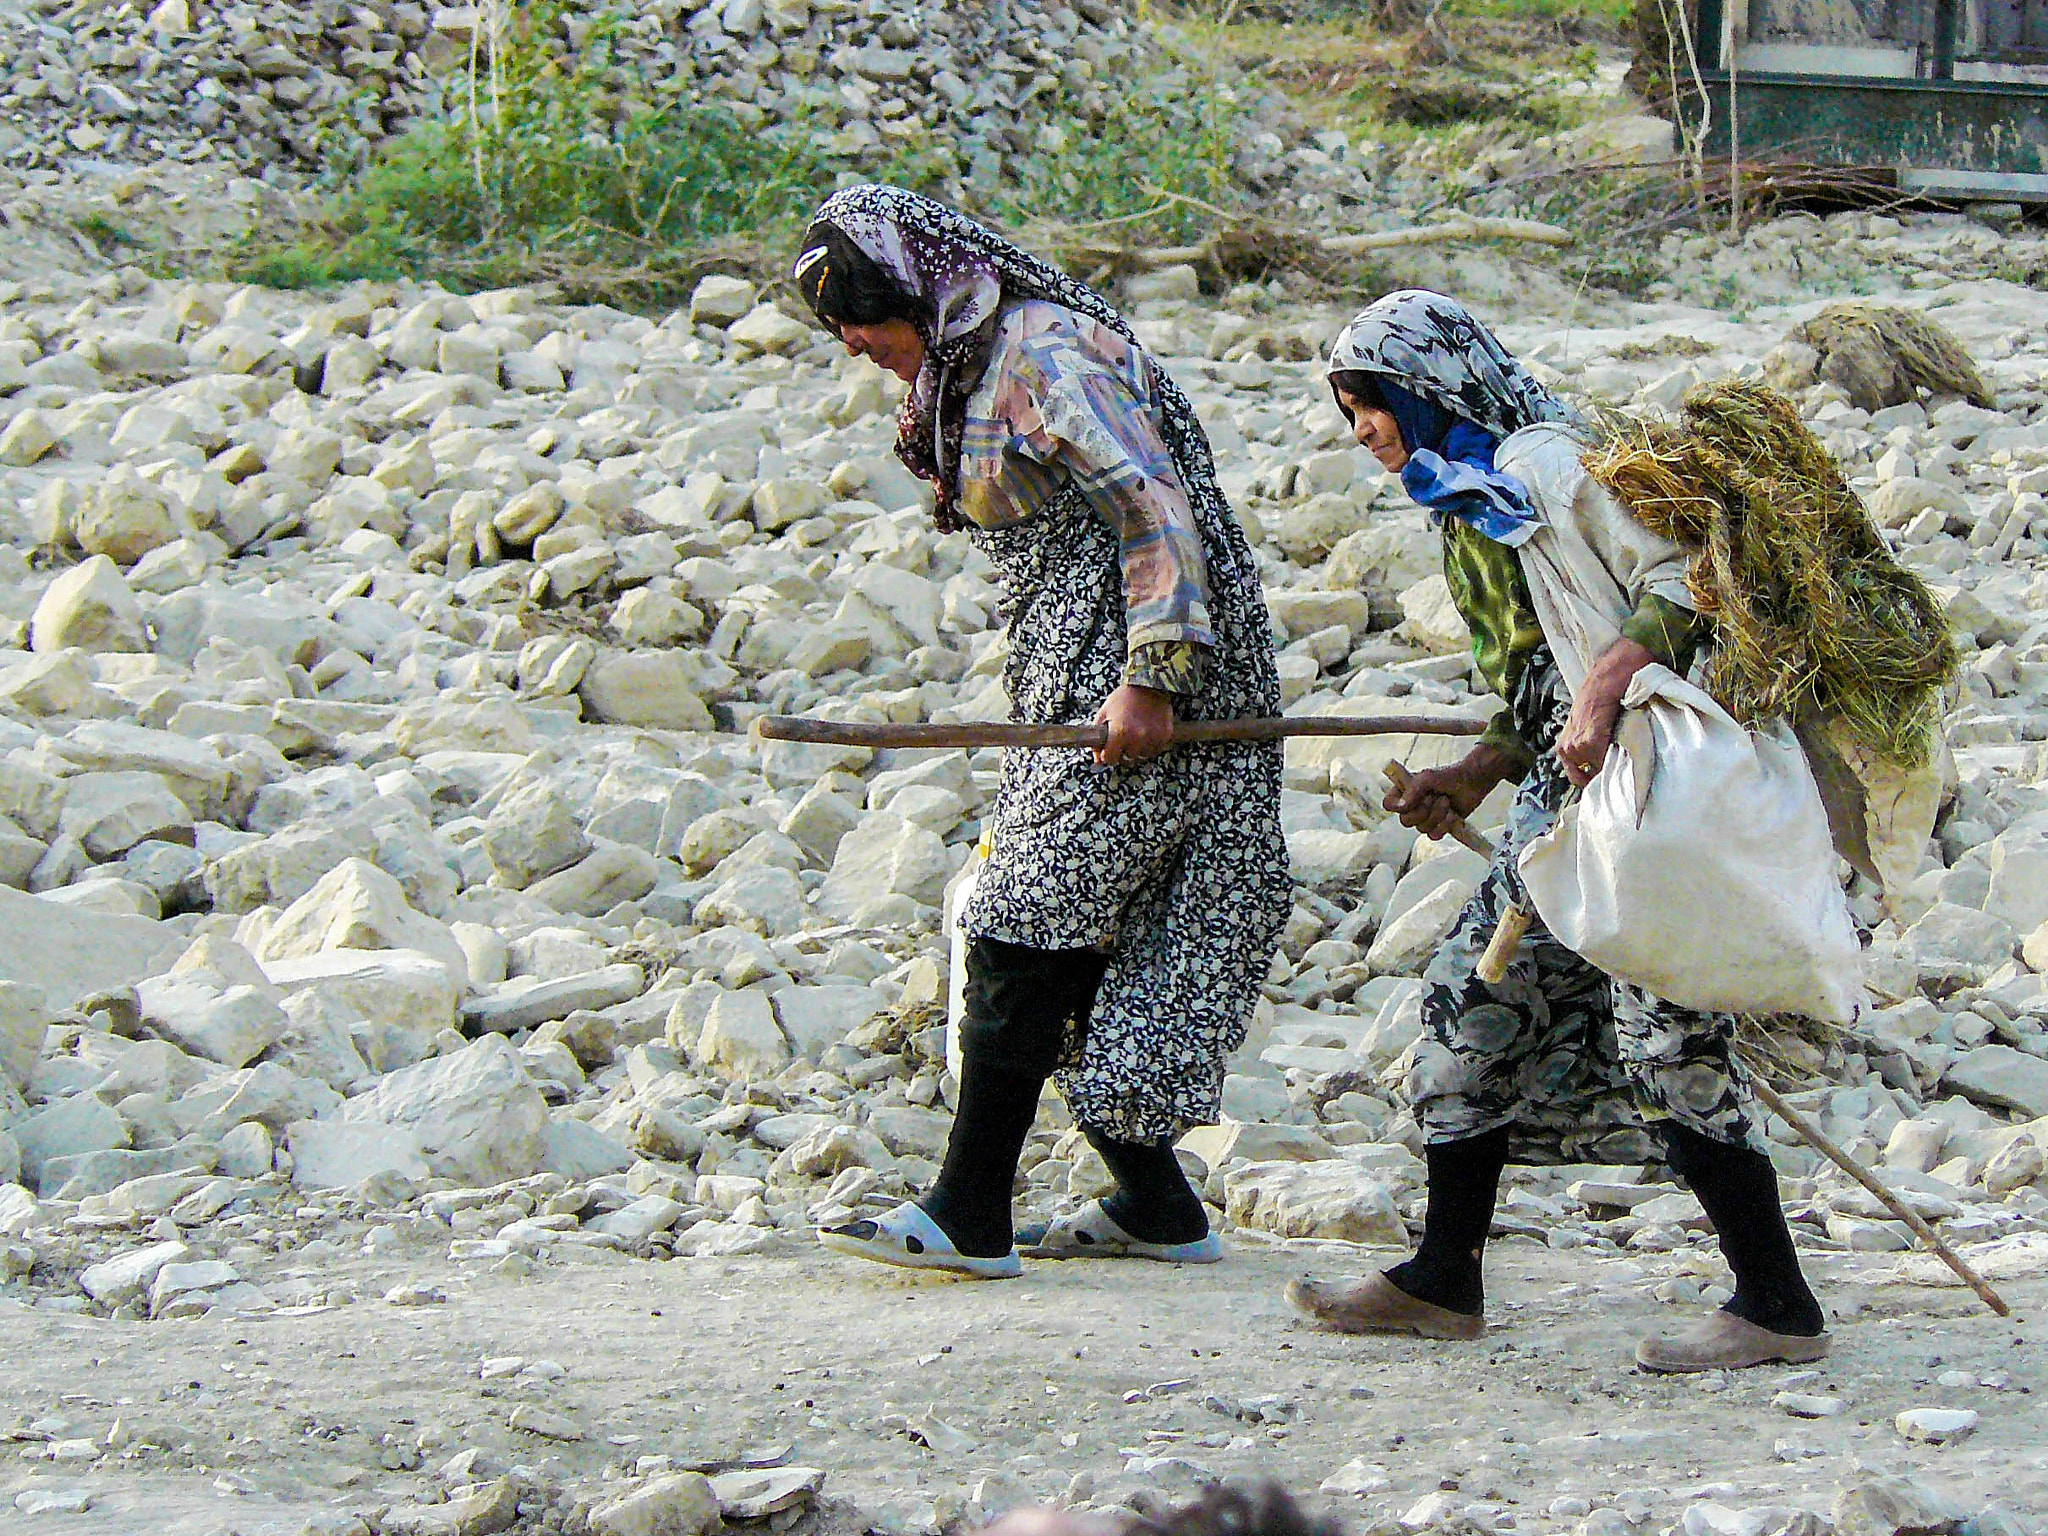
1089 1233
909 1239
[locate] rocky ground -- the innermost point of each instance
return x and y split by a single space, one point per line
432 1026
417 973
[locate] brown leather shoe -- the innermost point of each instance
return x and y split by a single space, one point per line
1377 1305
1725 1342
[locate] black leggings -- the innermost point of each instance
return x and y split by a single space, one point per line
1023 1008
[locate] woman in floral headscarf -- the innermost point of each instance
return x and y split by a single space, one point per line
1567 597
1132 898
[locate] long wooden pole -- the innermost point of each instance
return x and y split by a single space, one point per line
1515 922
999 733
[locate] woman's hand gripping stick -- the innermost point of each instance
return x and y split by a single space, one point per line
1514 922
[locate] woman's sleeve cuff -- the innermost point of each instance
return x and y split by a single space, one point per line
1169 666
1671 633
1501 735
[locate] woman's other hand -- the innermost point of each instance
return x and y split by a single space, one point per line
1596 709
1436 797
1140 722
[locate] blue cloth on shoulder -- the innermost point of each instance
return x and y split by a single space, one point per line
1450 469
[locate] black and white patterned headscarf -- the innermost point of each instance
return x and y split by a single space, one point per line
1431 346
964 273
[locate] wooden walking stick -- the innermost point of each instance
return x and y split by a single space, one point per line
1514 923
1513 926
1003 733
1822 1143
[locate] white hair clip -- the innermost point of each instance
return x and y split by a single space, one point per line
805 262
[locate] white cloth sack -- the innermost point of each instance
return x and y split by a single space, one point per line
1698 864
958 893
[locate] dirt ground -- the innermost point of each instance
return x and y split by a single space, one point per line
1132 1374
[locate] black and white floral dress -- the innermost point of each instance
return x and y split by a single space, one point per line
1176 866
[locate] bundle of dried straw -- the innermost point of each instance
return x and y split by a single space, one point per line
1813 617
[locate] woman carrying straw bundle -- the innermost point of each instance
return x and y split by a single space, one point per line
1558 1062
1132 898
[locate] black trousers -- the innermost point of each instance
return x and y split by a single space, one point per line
1026 1009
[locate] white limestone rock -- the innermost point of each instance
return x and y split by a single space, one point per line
609 874
767 329
661 690
68 953
128 1276
718 300
402 989
741 1037
1431 619
1405 944
885 856
88 607
1329 1199
24 1024
532 833
477 1115
231 1025
124 518
671 1504
357 906
2002 1077
340 1154
1954 945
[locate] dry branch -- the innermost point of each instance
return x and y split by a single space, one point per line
1528 230
1085 248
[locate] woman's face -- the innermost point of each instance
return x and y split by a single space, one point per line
1377 432
891 344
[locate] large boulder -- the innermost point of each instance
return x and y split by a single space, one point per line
475 1114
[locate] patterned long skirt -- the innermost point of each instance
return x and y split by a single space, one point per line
1578 1062
1177 866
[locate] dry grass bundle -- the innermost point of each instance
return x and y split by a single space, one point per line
1813 618
1883 356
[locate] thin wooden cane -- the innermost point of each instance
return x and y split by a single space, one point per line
1819 1140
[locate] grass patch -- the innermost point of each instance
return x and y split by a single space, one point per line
1485 63
546 174
105 233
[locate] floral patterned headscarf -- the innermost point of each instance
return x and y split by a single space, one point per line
1456 392
1432 346
962 272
